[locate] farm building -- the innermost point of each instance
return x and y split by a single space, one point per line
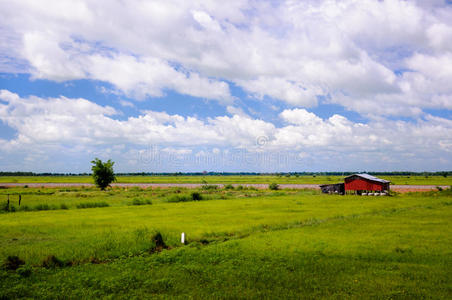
364 183
361 184
337 188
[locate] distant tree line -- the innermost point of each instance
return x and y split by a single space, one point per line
394 173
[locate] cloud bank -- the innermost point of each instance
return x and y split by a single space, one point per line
390 62
49 125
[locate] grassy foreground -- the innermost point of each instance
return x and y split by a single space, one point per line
242 243
233 179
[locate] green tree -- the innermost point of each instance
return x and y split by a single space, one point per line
103 173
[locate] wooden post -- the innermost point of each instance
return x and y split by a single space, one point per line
7 204
20 198
182 238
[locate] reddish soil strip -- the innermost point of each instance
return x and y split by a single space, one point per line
397 188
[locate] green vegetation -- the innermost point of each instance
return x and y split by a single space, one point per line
92 204
241 243
233 179
103 173
273 186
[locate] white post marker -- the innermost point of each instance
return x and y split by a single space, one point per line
182 238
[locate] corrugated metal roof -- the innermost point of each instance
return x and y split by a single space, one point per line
370 177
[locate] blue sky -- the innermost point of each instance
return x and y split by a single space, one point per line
261 86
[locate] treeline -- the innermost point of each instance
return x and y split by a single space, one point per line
395 173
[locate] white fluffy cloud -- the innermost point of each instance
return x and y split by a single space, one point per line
136 77
385 60
350 52
45 125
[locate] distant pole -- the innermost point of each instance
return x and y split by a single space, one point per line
182 238
7 203
20 198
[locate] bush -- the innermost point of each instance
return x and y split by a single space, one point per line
64 206
25 208
195 196
228 187
273 186
24 271
209 187
240 187
137 201
158 243
92 204
42 207
179 198
52 261
13 263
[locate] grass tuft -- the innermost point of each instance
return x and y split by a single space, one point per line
158 243
92 204
138 201
12 263
52 262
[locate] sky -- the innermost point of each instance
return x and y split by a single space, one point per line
226 86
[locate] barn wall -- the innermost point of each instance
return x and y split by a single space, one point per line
358 184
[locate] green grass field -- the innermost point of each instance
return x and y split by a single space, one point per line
243 243
265 179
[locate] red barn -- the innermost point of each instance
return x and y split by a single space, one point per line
365 183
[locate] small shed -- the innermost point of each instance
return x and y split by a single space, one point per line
365 183
337 188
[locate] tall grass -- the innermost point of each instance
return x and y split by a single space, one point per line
92 204
264 247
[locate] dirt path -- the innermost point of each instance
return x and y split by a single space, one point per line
397 188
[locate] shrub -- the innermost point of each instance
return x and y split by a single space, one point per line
209 187
13 263
64 206
42 207
92 204
240 187
158 243
52 261
25 208
137 201
24 271
273 186
179 198
228 187
195 196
